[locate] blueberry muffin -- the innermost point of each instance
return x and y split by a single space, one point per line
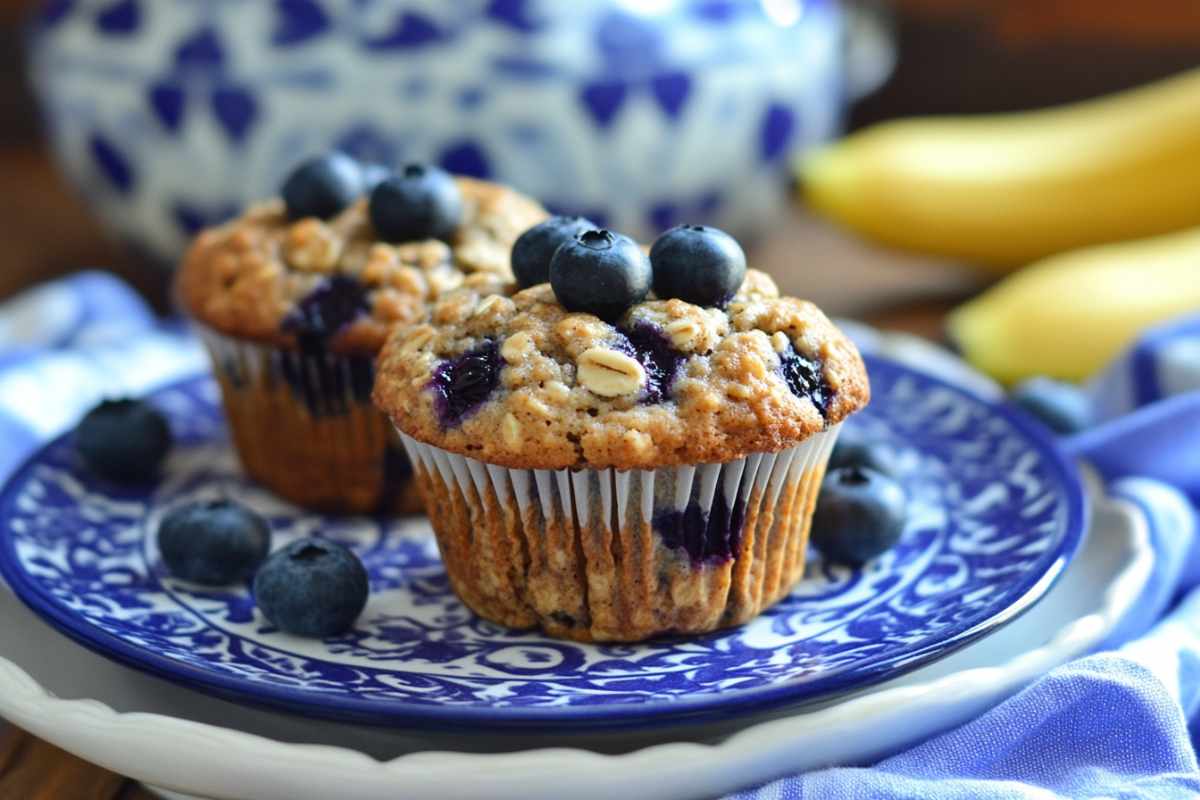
611 464
295 298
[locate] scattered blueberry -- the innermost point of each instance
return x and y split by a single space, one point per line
653 350
855 450
534 248
860 514
322 186
806 378
214 543
123 440
461 384
601 273
1063 407
312 587
421 202
322 313
697 264
373 175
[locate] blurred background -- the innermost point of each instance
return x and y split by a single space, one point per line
166 116
127 125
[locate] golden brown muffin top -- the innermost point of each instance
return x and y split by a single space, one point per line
248 277
519 381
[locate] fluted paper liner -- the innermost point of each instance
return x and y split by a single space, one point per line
304 426
585 555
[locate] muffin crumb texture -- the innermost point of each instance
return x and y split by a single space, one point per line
518 381
247 278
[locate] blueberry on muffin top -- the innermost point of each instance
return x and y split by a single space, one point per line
518 380
327 265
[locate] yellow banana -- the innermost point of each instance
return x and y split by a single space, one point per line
1069 315
1003 190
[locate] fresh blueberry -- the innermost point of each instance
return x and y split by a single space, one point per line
601 273
534 248
123 440
373 175
322 186
860 514
1064 408
214 543
421 202
460 385
312 587
697 264
855 450
335 302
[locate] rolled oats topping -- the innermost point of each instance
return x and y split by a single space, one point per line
247 277
610 373
517 380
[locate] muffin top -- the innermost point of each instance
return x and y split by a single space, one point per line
516 379
334 283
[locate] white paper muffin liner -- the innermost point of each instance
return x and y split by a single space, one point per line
582 552
304 426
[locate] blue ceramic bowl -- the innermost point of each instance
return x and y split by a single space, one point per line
171 115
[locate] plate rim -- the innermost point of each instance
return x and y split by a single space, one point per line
708 706
93 729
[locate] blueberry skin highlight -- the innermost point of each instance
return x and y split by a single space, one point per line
420 202
312 587
860 514
321 187
213 543
697 264
600 272
533 249
373 175
123 440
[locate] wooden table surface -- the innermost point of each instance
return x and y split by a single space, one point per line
48 233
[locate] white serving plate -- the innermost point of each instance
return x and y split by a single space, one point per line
172 737
203 747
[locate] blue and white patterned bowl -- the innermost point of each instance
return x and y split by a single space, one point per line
173 114
996 515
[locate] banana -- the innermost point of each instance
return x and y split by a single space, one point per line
1002 190
1071 314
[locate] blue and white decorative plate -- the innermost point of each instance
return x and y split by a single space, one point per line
996 515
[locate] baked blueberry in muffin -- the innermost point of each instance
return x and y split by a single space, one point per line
621 464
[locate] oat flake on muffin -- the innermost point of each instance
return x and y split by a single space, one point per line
245 278
671 383
293 313
619 481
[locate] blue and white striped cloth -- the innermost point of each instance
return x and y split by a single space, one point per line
66 345
1148 403
1115 724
